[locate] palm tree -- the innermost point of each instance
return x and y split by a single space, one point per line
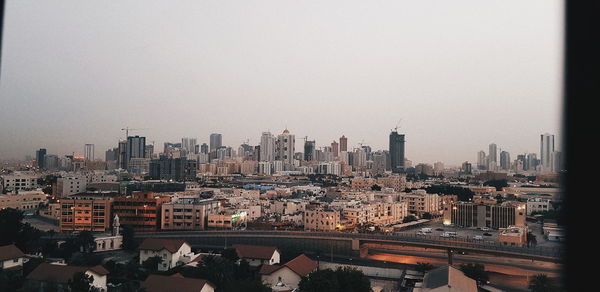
541 283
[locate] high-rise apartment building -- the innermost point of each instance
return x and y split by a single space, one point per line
39 157
546 149
189 145
493 155
309 150
343 143
285 147
335 148
215 141
122 154
88 152
397 152
481 160
267 147
504 160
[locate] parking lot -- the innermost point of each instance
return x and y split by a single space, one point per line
469 233
438 229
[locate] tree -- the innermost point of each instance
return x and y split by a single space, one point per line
375 188
498 183
81 282
427 215
151 264
247 285
409 218
476 272
129 242
319 281
230 254
541 283
342 279
14 231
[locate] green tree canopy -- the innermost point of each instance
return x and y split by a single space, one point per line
476 272
342 279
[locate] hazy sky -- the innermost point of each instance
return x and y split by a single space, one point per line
460 74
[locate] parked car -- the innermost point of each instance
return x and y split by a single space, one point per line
478 237
487 234
485 229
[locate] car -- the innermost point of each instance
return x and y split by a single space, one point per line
421 233
485 228
487 234
439 229
478 237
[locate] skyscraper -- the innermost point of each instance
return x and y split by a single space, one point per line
285 146
136 148
111 154
481 160
189 144
309 150
267 147
204 148
335 148
396 152
88 152
504 160
546 149
343 143
493 154
122 154
215 141
39 157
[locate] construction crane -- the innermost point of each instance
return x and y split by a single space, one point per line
397 126
127 129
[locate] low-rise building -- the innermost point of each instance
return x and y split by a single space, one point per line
513 236
19 181
11 258
188 213
47 275
538 205
288 274
70 185
420 202
227 219
257 255
322 219
173 252
470 214
141 210
23 200
176 282
446 279
85 212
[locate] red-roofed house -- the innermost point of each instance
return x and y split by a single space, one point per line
11 257
47 275
176 282
257 255
174 252
289 274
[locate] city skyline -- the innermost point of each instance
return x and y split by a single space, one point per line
300 146
356 70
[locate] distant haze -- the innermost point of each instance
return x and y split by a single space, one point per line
458 74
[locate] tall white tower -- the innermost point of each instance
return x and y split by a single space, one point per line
546 150
267 147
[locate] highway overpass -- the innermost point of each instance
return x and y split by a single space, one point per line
351 244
